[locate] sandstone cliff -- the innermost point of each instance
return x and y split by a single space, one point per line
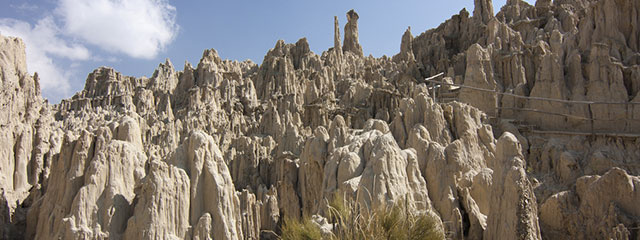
228 150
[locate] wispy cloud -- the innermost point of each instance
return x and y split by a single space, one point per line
138 28
24 7
57 43
44 43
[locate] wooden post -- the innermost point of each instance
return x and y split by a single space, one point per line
591 119
440 91
627 126
433 91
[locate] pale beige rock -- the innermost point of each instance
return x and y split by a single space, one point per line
129 131
616 186
480 74
481 189
289 200
116 193
247 156
513 213
404 178
212 189
67 177
269 210
162 208
463 146
483 10
263 143
202 230
336 35
599 207
406 48
80 180
310 175
528 48
477 220
372 169
605 83
549 83
351 42
432 48
24 132
613 20
251 215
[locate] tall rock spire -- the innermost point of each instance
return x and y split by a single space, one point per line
351 43
336 35
483 10
406 48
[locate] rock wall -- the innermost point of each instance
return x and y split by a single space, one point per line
25 134
581 51
228 150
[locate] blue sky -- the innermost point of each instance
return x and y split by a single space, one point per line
67 39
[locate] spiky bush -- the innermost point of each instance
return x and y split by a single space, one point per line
351 221
304 229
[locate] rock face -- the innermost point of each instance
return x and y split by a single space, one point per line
483 10
595 176
574 213
228 150
406 48
373 169
480 74
95 168
25 136
212 191
162 210
567 52
336 35
513 213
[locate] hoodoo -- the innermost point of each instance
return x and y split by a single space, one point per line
351 42
518 125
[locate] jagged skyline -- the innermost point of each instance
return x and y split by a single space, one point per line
518 125
64 48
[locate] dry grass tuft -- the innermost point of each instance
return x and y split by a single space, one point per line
294 229
351 221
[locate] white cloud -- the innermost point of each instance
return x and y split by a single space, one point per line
47 36
56 43
43 42
138 28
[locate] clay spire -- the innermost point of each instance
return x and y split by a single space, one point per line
351 43
336 34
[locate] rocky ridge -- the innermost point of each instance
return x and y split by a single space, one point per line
227 149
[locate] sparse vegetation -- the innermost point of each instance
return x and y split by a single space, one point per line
304 229
351 221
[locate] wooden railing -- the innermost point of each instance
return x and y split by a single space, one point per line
438 85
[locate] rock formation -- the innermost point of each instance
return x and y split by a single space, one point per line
406 48
483 10
513 212
351 42
25 136
336 35
229 150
